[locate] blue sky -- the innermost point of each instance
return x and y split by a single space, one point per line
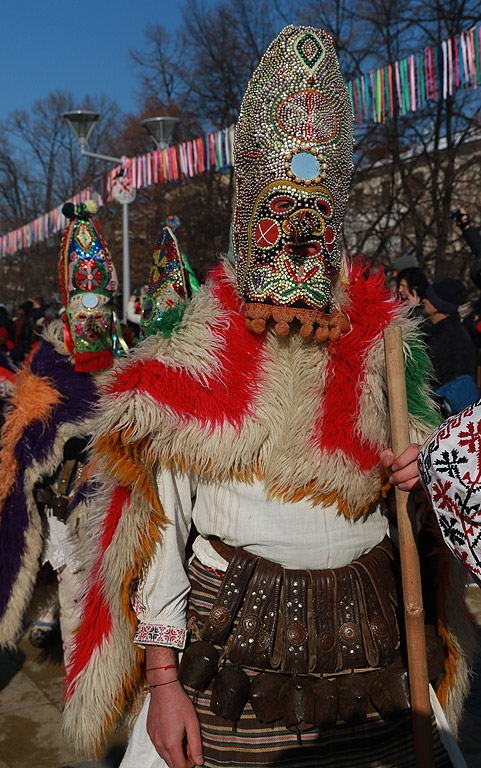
48 45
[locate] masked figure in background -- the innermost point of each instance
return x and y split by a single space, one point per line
171 279
256 424
48 424
172 283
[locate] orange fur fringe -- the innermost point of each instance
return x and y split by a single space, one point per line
34 399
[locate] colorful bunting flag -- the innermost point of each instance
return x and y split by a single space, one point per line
181 161
401 86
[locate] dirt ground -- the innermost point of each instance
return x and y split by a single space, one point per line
31 690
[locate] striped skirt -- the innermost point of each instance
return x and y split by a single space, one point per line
373 744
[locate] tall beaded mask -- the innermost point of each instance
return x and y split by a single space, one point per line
87 283
171 284
293 165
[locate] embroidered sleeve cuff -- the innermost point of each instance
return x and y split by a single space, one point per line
158 634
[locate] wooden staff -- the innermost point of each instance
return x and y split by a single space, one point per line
410 569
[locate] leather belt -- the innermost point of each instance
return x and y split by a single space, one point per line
304 621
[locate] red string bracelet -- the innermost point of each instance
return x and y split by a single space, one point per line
169 666
157 685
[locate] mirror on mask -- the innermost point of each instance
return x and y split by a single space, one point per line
90 300
305 165
148 309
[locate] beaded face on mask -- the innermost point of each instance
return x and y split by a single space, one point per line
293 163
90 317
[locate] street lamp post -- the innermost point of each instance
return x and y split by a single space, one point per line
82 123
161 129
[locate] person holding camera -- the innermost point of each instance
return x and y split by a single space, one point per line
472 236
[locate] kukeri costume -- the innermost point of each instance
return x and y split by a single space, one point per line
171 280
48 423
266 402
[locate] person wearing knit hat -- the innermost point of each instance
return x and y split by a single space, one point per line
445 295
450 347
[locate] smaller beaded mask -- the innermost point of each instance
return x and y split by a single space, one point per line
171 283
87 283
293 164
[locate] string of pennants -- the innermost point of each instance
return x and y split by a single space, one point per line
181 161
406 85
403 86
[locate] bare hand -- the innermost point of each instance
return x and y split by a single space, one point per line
173 726
404 469
413 297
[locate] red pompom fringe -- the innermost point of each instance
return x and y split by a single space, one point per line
87 362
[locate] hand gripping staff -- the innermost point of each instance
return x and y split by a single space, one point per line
410 569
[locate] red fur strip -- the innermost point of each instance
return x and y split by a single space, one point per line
30 355
87 362
96 618
67 334
371 307
228 396
120 497
96 625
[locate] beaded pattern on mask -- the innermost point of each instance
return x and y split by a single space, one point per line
87 284
167 283
293 163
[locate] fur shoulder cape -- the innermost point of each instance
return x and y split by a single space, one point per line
50 403
309 420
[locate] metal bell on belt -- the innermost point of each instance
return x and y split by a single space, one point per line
327 703
390 693
199 665
230 691
265 696
353 698
298 703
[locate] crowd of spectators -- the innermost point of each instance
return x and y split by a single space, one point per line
21 330
451 325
